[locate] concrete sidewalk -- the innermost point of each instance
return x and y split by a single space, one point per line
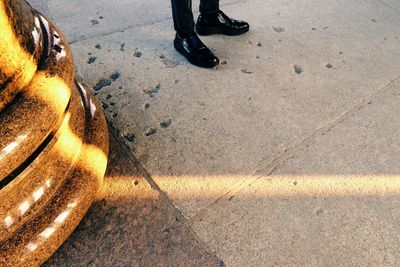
286 154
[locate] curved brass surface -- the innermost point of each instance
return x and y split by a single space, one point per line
37 183
21 47
53 138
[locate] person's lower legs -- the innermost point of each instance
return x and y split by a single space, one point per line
186 41
211 21
209 7
183 16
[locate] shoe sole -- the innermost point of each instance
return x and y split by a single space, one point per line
217 30
195 62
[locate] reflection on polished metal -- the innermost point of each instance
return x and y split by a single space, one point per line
53 138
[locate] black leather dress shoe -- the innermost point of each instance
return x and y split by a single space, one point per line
195 51
220 24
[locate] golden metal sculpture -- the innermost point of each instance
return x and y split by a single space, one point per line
53 138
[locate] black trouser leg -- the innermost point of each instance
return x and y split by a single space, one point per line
183 16
208 7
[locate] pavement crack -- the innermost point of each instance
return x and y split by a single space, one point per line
165 19
117 31
288 153
388 5
126 152
142 171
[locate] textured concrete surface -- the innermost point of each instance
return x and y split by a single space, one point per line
130 226
308 94
333 207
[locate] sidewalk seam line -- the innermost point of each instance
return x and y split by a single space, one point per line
272 165
142 170
162 196
116 31
388 5
169 18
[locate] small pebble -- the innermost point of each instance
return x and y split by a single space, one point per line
104 105
115 75
224 62
91 60
130 137
246 71
152 91
329 66
138 54
150 131
278 29
94 21
97 46
102 83
298 69
166 124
